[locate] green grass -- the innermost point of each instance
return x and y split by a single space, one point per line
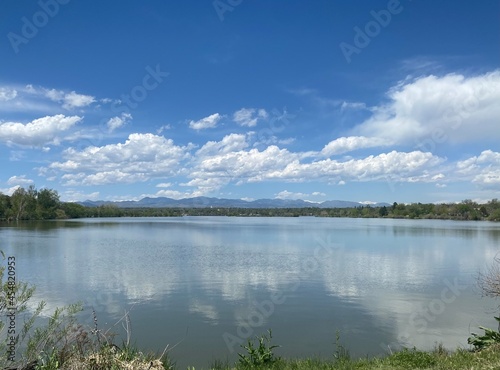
460 359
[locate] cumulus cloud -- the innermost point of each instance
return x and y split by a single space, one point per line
117 122
451 107
19 180
230 143
249 116
275 164
351 143
40 132
207 122
9 191
483 169
229 160
140 158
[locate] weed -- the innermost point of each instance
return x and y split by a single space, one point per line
262 355
341 354
489 337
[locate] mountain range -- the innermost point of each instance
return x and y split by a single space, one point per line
202 202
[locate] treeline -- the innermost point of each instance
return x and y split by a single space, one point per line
32 204
466 210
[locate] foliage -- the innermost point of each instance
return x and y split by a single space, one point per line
489 338
262 355
341 354
467 210
59 341
14 297
30 204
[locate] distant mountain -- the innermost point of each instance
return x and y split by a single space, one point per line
201 202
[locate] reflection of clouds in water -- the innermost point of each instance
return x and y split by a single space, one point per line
206 310
403 290
390 274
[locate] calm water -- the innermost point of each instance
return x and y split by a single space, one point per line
207 282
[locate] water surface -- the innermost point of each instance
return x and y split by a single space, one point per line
209 282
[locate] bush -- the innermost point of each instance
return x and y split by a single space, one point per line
262 355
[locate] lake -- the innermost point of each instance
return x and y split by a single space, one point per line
207 283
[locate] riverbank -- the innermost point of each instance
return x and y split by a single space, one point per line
439 359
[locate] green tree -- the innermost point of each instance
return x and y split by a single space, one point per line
19 202
4 206
47 204
383 211
73 210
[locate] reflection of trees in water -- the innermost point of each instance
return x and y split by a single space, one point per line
459 232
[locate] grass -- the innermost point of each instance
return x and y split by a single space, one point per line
461 359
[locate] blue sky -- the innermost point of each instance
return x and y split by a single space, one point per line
363 101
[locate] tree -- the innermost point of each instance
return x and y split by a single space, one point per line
4 206
489 281
72 210
383 211
47 204
19 201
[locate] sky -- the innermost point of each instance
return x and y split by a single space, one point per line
368 101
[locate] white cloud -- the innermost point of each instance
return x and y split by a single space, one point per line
318 194
140 158
483 169
40 132
70 100
440 109
117 122
285 194
352 105
274 164
7 94
249 116
351 143
207 122
230 143
164 185
78 196
19 180
163 128
9 191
